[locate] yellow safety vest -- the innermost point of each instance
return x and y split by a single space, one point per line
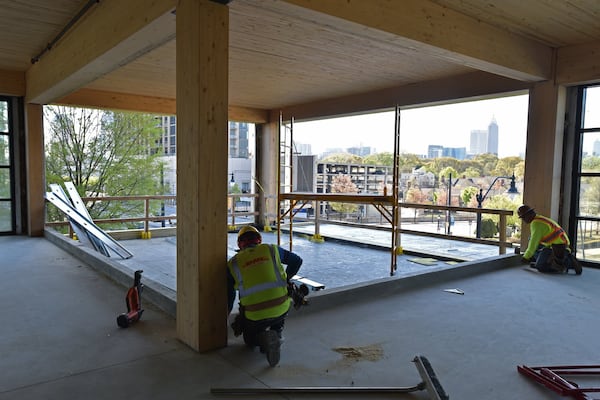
261 282
557 234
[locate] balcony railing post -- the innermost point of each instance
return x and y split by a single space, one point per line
502 235
147 215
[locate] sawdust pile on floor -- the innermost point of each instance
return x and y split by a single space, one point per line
354 354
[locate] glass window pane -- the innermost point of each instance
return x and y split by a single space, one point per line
591 113
589 196
590 161
588 245
3 116
4 183
5 216
4 151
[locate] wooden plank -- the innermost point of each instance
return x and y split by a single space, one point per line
112 34
447 34
202 77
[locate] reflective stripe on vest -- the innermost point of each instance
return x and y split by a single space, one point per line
279 282
557 231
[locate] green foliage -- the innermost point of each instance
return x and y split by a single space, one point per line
343 158
234 188
467 195
506 166
590 163
488 228
446 173
488 163
104 153
386 159
503 202
472 172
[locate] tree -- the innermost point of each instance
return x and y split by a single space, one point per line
343 158
385 158
506 166
468 196
103 153
343 184
488 163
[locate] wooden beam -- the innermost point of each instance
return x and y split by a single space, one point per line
427 27
91 98
113 33
202 93
12 83
578 64
468 86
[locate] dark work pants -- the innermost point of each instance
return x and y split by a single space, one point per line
550 260
253 328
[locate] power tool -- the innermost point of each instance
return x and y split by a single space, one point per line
133 300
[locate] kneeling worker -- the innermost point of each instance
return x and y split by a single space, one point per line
549 246
256 271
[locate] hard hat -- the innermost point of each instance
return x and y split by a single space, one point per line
524 210
246 229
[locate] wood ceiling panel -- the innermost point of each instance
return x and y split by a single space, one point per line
277 60
553 22
29 25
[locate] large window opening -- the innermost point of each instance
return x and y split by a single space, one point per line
587 176
7 201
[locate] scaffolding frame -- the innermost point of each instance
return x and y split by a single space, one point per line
290 202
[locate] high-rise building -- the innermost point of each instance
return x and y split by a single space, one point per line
484 141
168 137
238 140
492 140
478 142
360 151
460 153
435 151
596 150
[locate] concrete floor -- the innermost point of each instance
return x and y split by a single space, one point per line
60 340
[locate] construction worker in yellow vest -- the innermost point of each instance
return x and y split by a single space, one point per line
549 247
257 273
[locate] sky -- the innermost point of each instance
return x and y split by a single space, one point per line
446 125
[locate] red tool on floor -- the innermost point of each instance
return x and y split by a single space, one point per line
133 300
552 379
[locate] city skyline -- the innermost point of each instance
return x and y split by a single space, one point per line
445 125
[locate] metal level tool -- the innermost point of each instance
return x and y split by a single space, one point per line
429 382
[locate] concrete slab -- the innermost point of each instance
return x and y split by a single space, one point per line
60 338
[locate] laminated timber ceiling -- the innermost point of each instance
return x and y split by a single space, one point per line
288 53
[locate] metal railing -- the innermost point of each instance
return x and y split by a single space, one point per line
243 205
238 206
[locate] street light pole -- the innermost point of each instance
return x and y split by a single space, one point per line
480 197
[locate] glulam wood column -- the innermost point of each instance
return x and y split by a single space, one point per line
543 165
267 150
35 173
202 84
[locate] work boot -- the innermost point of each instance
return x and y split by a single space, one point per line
575 264
270 344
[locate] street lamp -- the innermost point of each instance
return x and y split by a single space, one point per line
480 197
